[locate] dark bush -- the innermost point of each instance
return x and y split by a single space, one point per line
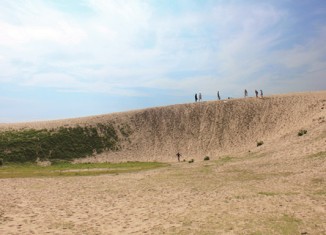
191 161
259 143
206 158
302 132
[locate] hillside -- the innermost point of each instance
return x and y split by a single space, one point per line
211 128
276 188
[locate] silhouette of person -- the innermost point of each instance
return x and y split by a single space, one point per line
245 93
178 156
199 96
256 92
218 95
196 98
261 93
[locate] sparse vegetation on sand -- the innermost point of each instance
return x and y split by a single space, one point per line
65 143
28 170
259 143
302 132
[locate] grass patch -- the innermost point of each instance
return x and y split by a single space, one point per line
206 169
28 170
246 175
255 155
65 143
283 224
321 192
223 160
286 225
267 193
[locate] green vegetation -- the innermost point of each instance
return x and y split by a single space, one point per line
223 160
259 143
286 224
67 143
267 193
321 192
206 158
191 161
26 170
302 132
283 224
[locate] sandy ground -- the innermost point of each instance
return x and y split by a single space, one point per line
269 190
277 188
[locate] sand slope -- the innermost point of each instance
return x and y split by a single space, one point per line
277 188
210 128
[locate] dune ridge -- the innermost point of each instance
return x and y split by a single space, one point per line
210 128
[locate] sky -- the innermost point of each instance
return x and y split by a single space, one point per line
74 58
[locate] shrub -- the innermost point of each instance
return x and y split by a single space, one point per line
206 158
260 143
302 132
191 161
1 162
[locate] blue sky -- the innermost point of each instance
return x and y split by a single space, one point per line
73 58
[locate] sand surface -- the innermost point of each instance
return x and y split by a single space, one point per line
277 188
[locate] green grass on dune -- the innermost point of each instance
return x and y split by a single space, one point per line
27 170
65 143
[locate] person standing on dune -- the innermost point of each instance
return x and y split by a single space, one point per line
218 95
178 156
256 92
196 98
261 93
199 97
245 93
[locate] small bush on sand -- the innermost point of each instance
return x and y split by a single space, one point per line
260 143
191 161
206 158
302 132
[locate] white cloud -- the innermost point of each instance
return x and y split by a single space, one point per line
34 22
123 46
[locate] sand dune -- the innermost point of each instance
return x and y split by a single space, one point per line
210 128
276 188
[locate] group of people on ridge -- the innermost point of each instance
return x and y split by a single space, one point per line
199 96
